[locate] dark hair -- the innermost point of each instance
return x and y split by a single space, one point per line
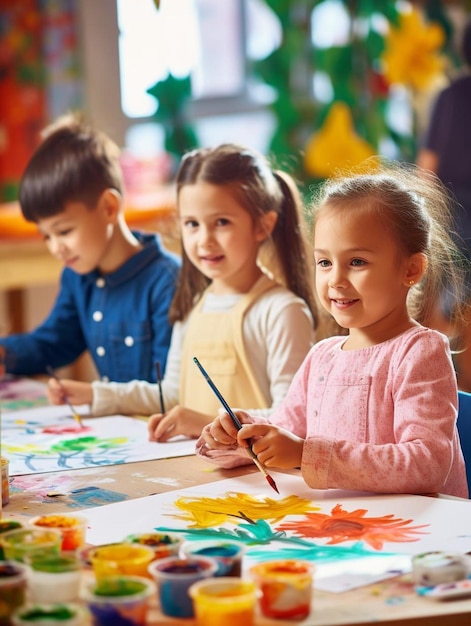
248 176
73 163
415 208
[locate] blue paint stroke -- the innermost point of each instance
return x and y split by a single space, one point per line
260 533
94 496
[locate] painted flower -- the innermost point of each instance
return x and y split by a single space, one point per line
205 512
341 526
412 55
336 146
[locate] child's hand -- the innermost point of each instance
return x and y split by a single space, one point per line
274 446
221 434
178 421
73 391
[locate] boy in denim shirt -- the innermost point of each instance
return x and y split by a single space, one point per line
116 286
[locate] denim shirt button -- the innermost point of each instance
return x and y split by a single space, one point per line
105 379
129 341
101 351
97 316
100 282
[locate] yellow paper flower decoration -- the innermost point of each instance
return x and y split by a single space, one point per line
336 146
412 55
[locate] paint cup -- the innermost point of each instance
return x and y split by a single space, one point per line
19 543
224 601
227 554
12 589
174 577
72 528
119 600
285 588
5 465
54 578
5 526
436 567
163 544
115 559
65 614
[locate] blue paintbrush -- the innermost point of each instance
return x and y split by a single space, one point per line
236 422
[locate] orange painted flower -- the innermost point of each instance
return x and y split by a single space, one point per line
412 56
336 146
341 526
205 512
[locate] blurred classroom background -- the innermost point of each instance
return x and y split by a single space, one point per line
319 85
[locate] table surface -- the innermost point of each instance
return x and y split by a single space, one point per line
390 603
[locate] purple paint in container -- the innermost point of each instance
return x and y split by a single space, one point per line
174 576
119 600
12 589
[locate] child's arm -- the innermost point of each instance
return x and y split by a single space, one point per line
178 421
76 392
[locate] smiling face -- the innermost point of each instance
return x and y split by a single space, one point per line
80 236
220 237
362 278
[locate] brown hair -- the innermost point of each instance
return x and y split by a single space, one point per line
416 209
73 163
249 177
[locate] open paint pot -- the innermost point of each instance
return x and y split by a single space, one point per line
12 588
227 554
116 559
174 577
54 578
285 588
72 528
22 542
7 524
119 600
224 601
49 615
163 544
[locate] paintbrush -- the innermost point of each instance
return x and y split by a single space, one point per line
75 415
159 382
237 424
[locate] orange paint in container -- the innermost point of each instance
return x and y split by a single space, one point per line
72 528
285 588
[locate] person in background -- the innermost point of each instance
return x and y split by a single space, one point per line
446 151
249 330
376 410
116 286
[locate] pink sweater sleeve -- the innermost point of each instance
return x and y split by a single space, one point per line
392 430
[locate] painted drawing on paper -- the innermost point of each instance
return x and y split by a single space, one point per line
47 439
352 538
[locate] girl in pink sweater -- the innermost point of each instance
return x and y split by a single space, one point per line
375 410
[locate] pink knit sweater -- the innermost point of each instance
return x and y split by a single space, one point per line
378 419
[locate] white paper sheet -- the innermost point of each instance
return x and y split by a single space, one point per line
48 439
385 529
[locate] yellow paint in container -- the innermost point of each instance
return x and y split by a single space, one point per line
224 601
116 559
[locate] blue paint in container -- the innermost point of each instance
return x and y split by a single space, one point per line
174 576
227 554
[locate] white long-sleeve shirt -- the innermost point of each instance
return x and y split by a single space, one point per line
278 332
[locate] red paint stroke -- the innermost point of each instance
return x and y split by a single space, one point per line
341 526
66 429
